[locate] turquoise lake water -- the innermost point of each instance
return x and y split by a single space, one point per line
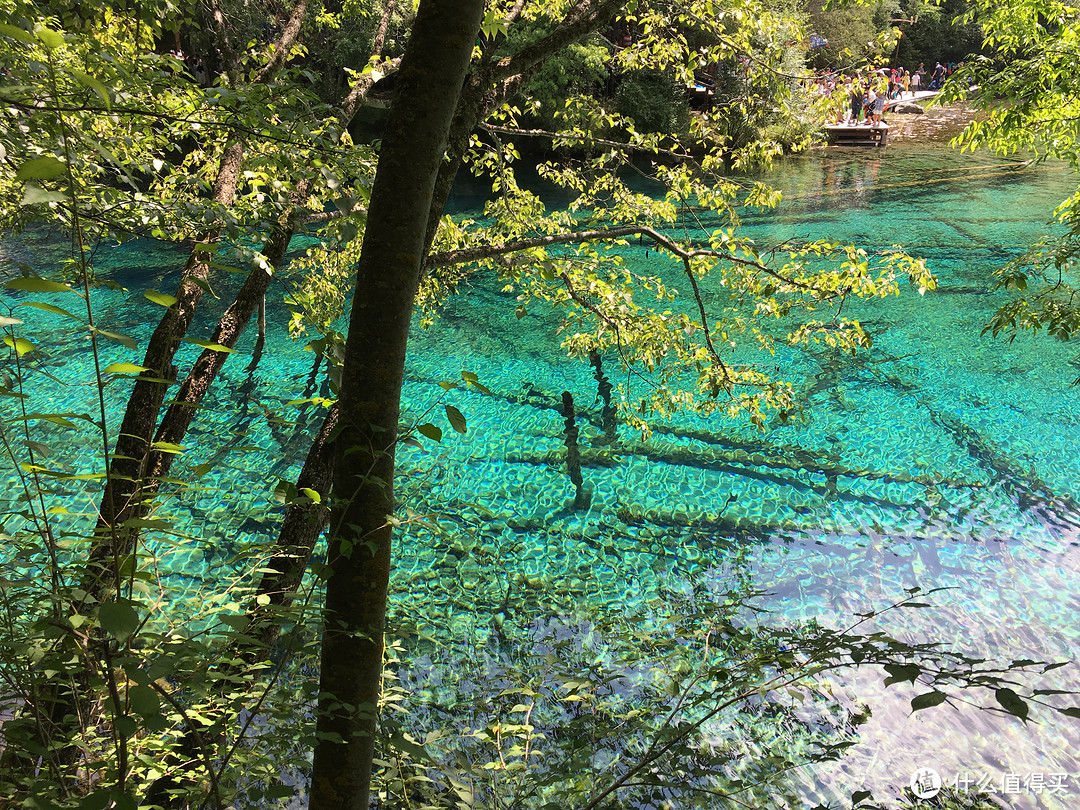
826 516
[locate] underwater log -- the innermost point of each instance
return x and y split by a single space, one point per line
573 454
607 413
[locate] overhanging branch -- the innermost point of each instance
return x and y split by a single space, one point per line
481 252
543 133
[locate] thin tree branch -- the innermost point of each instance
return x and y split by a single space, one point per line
474 254
359 91
283 47
705 319
582 20
543 133
262 135
303 220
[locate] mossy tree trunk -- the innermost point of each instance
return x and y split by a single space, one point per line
432 73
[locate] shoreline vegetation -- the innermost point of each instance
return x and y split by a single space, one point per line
311 581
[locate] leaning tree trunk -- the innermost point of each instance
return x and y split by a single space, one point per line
429 83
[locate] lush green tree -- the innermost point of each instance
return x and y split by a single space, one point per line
111 140
851 31
1027 87
936 33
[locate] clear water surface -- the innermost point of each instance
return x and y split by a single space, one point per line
993 424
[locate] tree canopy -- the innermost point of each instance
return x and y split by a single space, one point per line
244 138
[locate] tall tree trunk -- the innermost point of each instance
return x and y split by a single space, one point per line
182 411
121 497
429 83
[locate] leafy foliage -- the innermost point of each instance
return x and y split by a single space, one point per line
125 689
1028 89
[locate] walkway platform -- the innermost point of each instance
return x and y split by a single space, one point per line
911 98
858 135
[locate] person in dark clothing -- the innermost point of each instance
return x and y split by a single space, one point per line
857 99
938 77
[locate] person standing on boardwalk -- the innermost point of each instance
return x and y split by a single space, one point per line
917 78
855 99
878 107
938 78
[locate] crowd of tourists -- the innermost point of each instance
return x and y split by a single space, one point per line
861 98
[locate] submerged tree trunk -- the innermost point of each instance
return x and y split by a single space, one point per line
429 83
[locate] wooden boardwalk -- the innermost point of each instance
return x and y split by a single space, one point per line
863 134
858 135
911 98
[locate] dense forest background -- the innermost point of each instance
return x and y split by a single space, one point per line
308 152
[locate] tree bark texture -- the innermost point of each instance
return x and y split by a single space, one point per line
300 530
121 496
181 412
414 144
494 81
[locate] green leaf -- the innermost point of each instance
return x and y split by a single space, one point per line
898 673
144 700
285 491
125 368
55 418
214 347
474 381
42 168
457 419
203 285
38 447
1012 702
49 308
49 38
1072 711
94 84
859 795
927 700
126 726
147 523
119 619
162 299
35 195
122 339
20 345
17 33
169 447
37 284
98 800
430 431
